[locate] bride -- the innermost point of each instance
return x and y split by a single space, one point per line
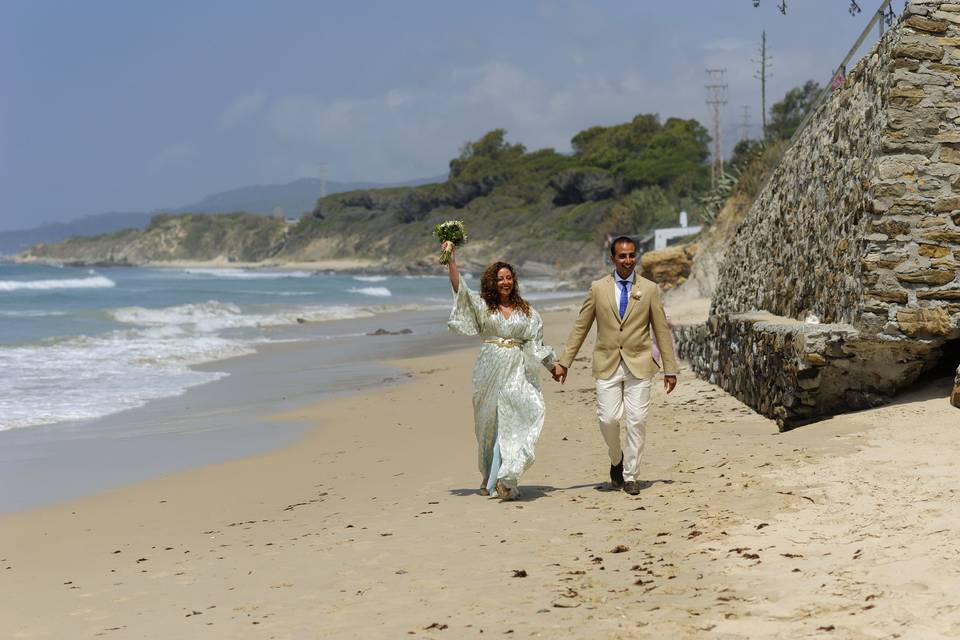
508 407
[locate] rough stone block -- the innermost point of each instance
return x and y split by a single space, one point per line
933 251
948 16
927 276
949 154
942 235
932 221
939 294
897 296
906 96
926 24
934 321
944 68
944 205
918 51
890 227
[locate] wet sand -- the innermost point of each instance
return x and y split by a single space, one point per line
371 527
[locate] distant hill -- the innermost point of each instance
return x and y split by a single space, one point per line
295 198
14 241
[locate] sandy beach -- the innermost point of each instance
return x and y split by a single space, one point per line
370 526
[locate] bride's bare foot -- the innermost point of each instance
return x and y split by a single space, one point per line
503 491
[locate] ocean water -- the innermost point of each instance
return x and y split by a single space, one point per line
82 343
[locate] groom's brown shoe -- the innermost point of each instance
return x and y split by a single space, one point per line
632 487
616 474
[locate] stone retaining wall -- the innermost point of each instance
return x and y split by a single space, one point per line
795 372
797 252
859 227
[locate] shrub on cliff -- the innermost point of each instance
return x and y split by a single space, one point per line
645 153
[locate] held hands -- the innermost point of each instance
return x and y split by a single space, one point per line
559 373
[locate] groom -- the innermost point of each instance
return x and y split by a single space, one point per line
626 308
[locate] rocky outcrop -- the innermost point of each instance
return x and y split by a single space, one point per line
668 267
955 396
238 236
582 185
858 228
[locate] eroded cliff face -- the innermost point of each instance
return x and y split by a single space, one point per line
847 266
242 236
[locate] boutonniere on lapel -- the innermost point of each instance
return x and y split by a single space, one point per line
636 295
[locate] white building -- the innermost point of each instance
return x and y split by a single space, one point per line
662 237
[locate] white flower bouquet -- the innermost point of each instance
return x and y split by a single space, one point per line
453 231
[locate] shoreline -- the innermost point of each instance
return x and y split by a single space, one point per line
307 363
344 265
47 464
370 525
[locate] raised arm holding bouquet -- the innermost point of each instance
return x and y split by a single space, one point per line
508 408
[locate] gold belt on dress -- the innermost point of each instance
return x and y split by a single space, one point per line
506 343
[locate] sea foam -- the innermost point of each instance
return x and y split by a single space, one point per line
119 370
213 316
243 274
95 282
379 292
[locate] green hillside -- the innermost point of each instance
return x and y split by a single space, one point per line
519 205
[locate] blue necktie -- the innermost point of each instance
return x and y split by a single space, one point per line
623 297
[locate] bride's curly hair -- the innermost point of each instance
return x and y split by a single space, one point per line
490 295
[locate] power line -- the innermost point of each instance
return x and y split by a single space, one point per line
762 74
745 122
717 98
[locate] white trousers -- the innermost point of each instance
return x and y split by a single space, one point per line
623 395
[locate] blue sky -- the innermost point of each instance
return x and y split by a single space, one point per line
131 106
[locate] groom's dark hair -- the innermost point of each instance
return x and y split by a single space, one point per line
613 245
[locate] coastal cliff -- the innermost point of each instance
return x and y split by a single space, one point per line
237 236
541 210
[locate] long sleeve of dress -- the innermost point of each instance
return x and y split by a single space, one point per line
542 353
469 309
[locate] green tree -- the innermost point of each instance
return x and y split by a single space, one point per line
743 153
786 115
491 149
644 152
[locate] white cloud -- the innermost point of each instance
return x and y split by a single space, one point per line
242 108
398 98
177 155
382 138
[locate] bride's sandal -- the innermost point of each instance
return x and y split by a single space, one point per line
504 492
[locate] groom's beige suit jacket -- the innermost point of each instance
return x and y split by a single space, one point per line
627 339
